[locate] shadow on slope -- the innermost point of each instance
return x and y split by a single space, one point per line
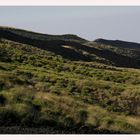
56 46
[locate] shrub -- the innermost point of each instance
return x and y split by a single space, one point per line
21 94
56 90
82 116
9 117
68 122
2 99
86 90
28 120
42 86
71 86
2 85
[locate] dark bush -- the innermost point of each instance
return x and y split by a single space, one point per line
83 115
68 122
2 85
2 99
9 117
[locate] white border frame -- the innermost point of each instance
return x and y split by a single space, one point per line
71 2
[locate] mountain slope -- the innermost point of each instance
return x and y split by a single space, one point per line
118 43
75 48
41 91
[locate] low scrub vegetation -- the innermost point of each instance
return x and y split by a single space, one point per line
40 90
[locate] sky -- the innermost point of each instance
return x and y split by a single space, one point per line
89 22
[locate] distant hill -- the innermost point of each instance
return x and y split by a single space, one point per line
118 43
39 36
72 47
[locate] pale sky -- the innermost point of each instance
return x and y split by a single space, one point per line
92 22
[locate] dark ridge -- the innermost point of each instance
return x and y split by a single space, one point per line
118 43
55 44
41 36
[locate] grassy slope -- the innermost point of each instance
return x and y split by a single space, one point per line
40 89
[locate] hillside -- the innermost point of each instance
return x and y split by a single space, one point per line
75 48
66 84
119 43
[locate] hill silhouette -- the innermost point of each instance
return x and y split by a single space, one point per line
72 47
118 43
